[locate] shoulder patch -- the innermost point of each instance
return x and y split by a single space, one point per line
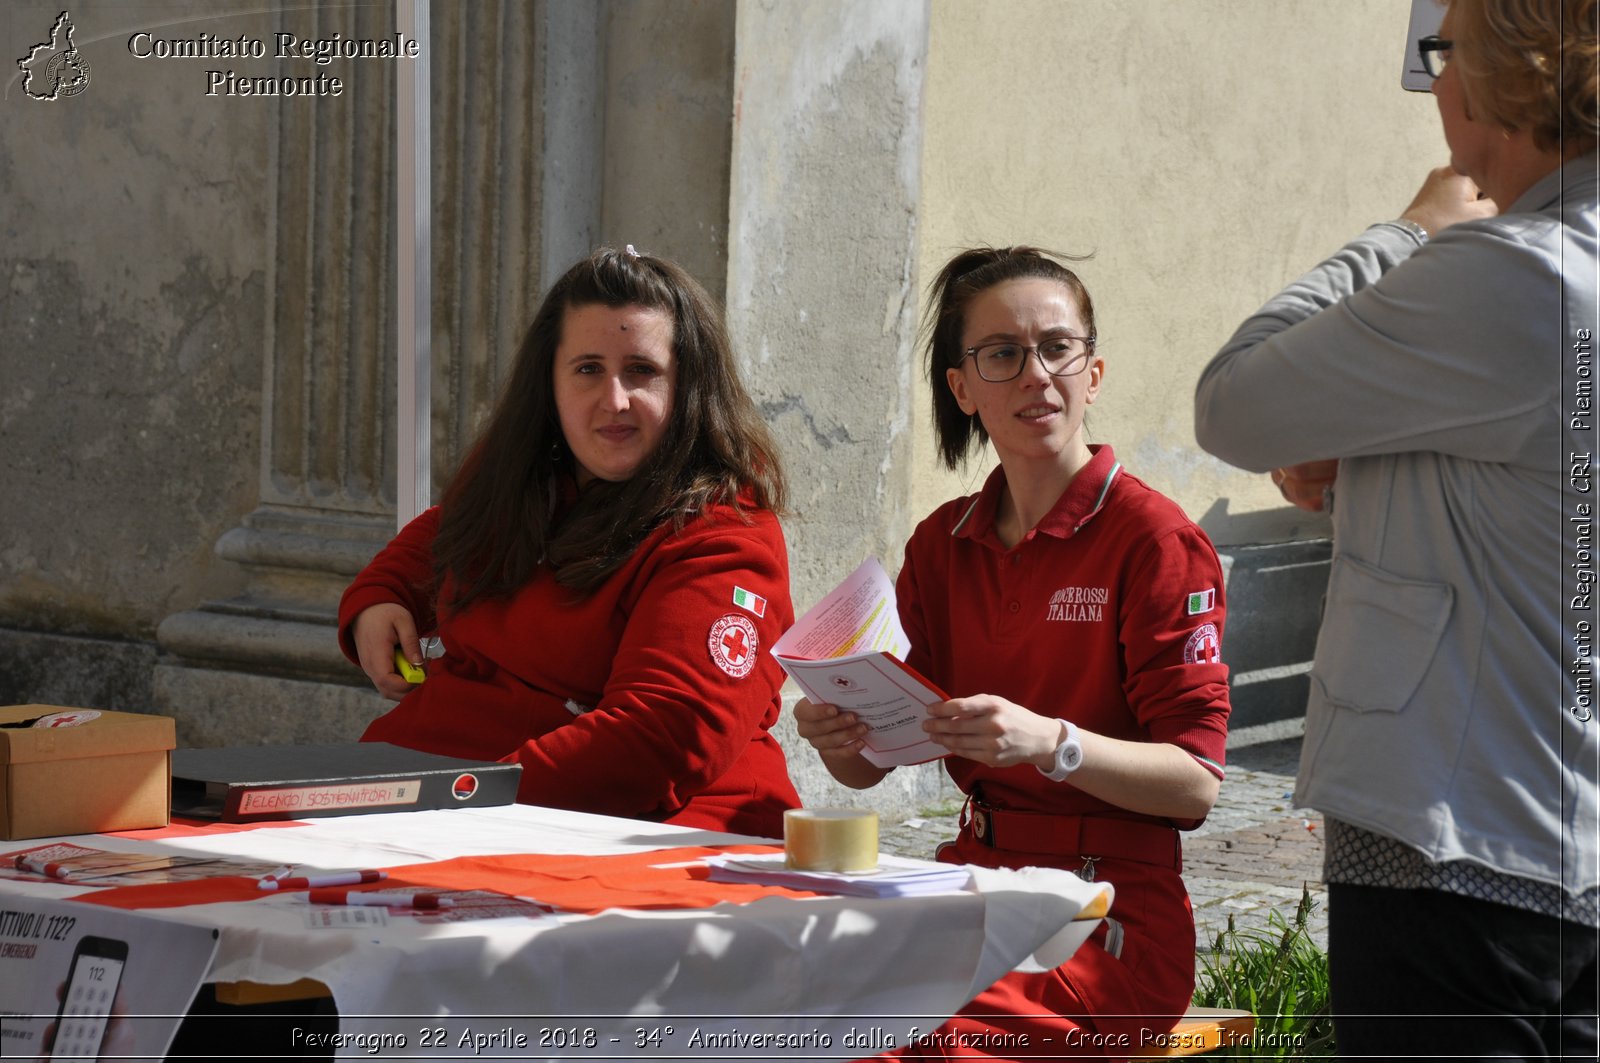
749 601
733 644
1202 601
1203 647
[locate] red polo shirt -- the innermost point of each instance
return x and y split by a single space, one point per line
1108 614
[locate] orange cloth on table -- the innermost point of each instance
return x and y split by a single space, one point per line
594 883
576 883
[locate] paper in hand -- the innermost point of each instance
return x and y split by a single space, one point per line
846 651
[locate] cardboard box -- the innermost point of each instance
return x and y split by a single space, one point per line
82 771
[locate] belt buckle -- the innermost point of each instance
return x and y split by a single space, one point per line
982 826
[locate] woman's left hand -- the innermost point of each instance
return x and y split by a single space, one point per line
994 731
1156 778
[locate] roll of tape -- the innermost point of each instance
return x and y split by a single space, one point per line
830 839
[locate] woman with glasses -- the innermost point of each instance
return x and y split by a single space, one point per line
1433 380
1075 616
605 571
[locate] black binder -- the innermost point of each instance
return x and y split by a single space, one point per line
246 784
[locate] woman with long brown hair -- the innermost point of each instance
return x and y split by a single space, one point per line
604 571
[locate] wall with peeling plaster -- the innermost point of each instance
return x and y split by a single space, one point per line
825 187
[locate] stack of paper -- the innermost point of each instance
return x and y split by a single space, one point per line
893 877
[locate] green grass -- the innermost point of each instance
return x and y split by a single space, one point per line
1280 975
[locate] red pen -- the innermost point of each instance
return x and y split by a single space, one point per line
380 898
311 882
41 867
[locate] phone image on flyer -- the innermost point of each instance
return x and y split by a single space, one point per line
91 989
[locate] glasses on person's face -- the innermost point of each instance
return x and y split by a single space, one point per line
1435 52
1060 356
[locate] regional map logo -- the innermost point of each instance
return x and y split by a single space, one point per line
55 68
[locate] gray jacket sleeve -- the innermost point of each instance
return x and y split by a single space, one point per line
1387 348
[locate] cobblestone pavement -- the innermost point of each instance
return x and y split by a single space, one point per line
1255 854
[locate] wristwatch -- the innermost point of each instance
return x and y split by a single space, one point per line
1418 233
1069 754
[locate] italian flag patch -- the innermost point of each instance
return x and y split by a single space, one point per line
1202 601
749 600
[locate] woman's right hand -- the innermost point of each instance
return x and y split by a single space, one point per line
1445 198
377 631
838 737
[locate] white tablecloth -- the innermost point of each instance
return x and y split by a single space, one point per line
835 974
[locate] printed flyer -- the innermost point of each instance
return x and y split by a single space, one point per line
83 982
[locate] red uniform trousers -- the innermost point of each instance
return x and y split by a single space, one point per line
1096 1004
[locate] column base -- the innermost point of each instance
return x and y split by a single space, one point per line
216 707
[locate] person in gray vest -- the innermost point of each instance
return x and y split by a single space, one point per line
1432 383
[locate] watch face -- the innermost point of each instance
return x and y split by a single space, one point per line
1069 754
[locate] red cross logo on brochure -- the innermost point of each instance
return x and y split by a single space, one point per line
733 645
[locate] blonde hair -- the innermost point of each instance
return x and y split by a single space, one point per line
1533 65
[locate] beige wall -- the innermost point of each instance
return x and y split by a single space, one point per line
1207 152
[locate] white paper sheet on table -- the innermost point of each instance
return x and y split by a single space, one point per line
893 877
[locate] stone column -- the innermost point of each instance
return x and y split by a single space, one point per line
822 244
264 666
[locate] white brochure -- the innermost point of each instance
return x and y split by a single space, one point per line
847 651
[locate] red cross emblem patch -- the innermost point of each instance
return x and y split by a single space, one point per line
733 645
1204 646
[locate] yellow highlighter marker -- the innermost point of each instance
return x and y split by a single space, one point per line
408 671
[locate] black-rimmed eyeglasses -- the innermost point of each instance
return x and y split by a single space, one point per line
1435 52
1060 356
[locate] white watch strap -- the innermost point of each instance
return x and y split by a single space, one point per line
1069 737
